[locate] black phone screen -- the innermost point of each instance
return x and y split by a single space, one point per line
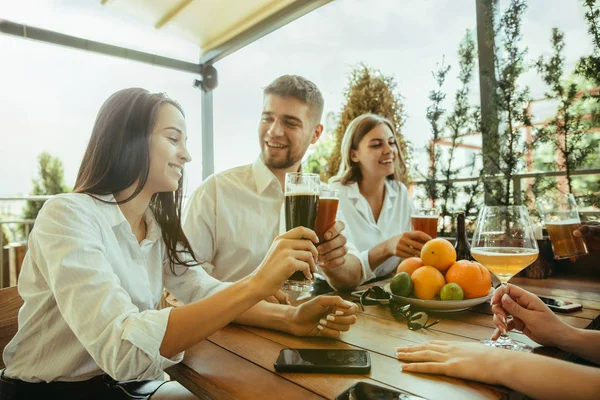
323 360
555 303
367 391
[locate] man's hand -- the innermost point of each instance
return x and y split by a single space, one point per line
332 252
590 232
323 316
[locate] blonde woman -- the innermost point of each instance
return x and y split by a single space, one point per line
374 205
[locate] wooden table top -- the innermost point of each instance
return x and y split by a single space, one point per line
237 361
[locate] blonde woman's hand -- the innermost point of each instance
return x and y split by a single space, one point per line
288 253
323 316
408 244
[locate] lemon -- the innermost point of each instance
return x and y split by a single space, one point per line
451 291
401 284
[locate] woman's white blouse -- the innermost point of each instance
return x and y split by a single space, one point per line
91 293
362 229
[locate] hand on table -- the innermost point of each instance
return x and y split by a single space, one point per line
323 316
530 316
458 359
280 297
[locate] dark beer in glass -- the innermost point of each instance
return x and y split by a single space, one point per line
301 205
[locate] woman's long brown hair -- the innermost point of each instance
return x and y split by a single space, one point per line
118 155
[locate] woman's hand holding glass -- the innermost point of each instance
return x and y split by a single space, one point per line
323 316
529 315
289 253
408 244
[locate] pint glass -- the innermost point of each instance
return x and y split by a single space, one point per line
425 220
301 204
559 214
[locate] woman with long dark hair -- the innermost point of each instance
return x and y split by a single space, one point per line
100 257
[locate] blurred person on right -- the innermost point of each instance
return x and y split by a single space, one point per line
374 204
517 370
590 231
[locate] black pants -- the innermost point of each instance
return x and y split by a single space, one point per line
97 388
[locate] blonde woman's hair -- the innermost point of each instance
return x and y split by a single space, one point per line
349 171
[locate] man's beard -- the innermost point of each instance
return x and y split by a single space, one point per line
273 163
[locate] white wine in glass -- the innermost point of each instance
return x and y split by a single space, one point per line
504 243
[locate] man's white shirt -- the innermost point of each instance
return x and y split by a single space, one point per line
232 219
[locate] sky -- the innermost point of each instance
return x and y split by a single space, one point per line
49 95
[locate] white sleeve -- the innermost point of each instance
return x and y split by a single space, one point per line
199 223
363 257
190 284
68 248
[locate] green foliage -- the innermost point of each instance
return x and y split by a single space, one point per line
567 131
435 114
439 180
511 100
368 91
50 181
318 156
589 66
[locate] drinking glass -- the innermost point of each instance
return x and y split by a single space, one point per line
426 220
559 214
504 243
301 204
327 211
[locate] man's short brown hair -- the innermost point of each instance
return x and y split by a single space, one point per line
299 88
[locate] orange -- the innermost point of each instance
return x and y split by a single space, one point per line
409 265
474 279
427 283
439 253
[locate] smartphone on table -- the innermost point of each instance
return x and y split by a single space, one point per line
560 305
323 360
367 391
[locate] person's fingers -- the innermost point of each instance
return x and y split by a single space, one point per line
339 319
301 232
336 303
515 323
335 230
272 299
335 263
282 297
404 253
496 334
335 325
303 255
513 308
332 255
328 332
500 323
425 368
423 355
333 244
419 236
498 293
303 267
402 248
427 346
411 243
498 310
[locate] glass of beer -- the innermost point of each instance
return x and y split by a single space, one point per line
559 214
426 220
328 205
301 204
504 243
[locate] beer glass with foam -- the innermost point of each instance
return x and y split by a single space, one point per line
425 220
559 214
301 205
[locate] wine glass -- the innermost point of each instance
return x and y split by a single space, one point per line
504 243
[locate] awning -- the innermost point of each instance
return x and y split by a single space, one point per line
217 27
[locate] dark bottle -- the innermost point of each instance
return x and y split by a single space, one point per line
461 245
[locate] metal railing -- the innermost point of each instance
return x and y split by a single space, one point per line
27 222
517 179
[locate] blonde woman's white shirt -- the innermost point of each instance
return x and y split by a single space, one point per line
91 293
232 219
362 229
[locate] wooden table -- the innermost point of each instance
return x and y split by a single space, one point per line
237 361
